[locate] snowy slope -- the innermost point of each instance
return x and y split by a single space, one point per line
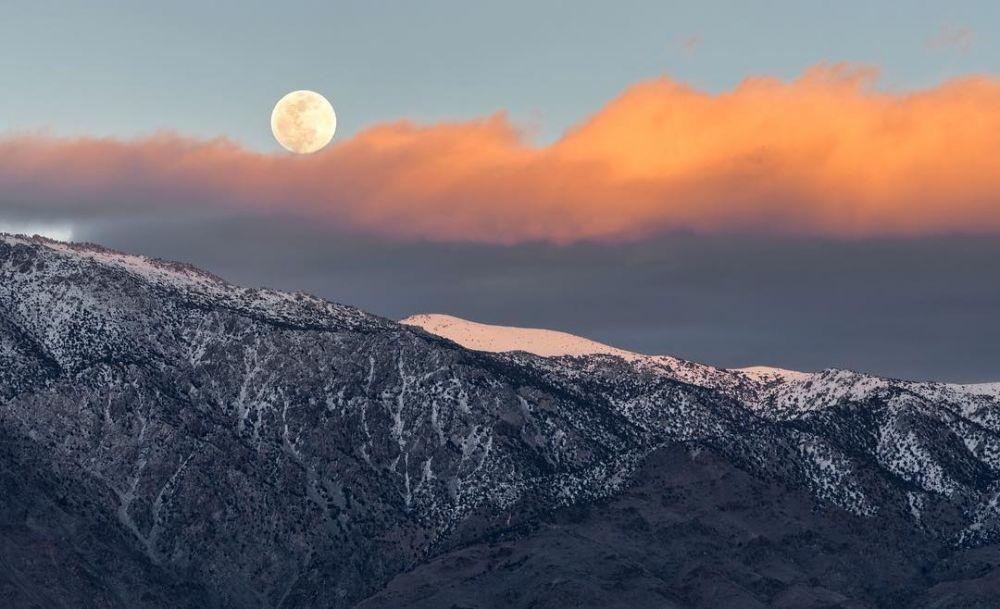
196 419
500 339
186 281
777 391
768 374
551 343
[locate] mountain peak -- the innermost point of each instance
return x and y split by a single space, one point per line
145 266
42 261
498 339
552 343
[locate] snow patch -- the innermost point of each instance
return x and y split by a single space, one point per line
764 374
500 339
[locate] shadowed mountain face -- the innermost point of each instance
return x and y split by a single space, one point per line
170 440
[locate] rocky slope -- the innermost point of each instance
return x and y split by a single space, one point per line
170 440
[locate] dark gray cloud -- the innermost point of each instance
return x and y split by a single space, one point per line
913 308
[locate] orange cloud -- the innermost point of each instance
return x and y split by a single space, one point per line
824 154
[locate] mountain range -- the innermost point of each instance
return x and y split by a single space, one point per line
169 440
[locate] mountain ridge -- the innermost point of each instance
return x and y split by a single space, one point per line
492 338
166 431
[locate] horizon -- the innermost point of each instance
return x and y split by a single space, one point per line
793 184
474 332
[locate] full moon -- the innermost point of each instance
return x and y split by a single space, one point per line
303 122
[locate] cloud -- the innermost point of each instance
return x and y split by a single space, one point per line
824 154
911 308
951 37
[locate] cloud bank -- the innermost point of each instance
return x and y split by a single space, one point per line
824 154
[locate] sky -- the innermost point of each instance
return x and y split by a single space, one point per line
802 184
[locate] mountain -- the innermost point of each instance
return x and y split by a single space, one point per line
170 440
500 339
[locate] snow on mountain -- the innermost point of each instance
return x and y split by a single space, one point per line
775 394
554 344
190 282
189 419
788 390
550 343
767 374
500 339
986 389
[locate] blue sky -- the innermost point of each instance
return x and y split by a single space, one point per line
215 68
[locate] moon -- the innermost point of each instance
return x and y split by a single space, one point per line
303 122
